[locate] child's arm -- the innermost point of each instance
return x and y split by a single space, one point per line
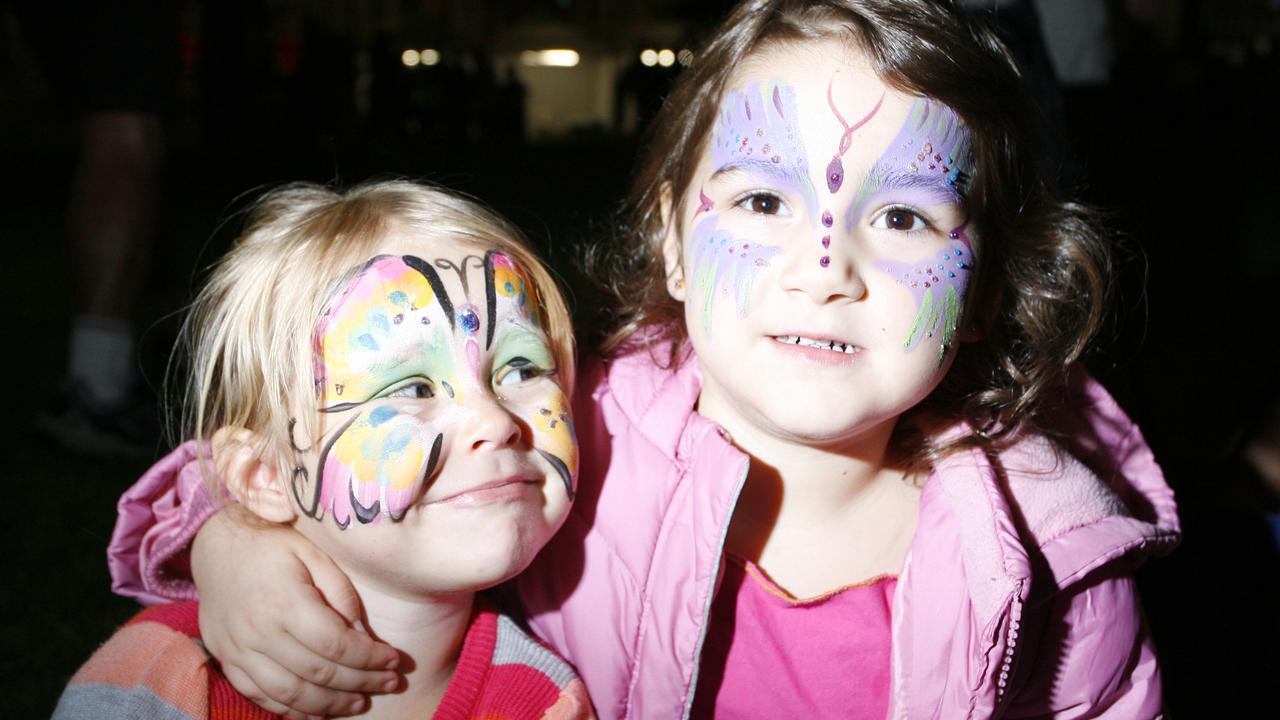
284 621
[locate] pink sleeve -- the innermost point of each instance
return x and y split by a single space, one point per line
1096 658
158 517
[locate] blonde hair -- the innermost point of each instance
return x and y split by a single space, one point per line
248 338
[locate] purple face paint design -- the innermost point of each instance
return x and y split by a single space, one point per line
725 265
704 203
757 132
938 287
929 162
835 168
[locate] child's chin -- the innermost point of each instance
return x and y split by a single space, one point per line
489 559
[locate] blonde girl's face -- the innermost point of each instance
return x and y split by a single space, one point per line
446 457
823 256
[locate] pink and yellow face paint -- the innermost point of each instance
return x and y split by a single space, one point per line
397 354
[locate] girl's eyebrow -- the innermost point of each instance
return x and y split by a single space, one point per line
760 166
795 176
934 185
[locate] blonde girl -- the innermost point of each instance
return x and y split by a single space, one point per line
384 371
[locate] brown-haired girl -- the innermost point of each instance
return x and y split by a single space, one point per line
839 459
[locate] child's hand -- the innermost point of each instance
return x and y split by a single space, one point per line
284 621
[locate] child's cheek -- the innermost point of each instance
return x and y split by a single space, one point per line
724 269
554 438
378 466
937 288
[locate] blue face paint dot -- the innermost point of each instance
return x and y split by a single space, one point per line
508 288
468 320
381 415
951 274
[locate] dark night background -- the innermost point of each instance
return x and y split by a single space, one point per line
1179 145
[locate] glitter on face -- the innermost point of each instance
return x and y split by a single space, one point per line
939 290
724 265
931 155
757 131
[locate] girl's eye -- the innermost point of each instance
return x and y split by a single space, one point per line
417 390
518 370
762 203
899 219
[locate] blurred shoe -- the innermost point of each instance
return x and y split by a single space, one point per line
129 428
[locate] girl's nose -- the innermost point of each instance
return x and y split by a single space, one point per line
491 426
825 268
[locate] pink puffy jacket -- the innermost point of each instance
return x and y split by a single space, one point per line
1016 598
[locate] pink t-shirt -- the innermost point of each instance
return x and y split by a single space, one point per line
770 655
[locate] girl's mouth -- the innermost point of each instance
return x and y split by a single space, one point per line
833 345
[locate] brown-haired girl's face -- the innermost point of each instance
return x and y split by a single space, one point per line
447 456
823 247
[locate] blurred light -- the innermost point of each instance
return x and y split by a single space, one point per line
666 58
685 57
410 58
430 56
549 58
649 58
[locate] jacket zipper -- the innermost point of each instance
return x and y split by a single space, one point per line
706 609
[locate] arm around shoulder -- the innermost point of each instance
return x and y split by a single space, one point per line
158 518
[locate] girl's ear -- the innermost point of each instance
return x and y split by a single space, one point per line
252 479
671 246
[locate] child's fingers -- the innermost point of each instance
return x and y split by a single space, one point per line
322 619
275 689
334 585
312 667
248 688
324 632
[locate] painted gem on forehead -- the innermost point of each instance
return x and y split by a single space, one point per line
468 320
835 168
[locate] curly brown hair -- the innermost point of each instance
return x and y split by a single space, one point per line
1042 285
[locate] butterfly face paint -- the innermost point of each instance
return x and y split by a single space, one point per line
757 136
725 266
758 132
929 162
409 351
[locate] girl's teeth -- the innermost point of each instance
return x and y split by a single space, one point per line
820 344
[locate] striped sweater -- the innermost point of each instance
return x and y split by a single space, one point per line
155 668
